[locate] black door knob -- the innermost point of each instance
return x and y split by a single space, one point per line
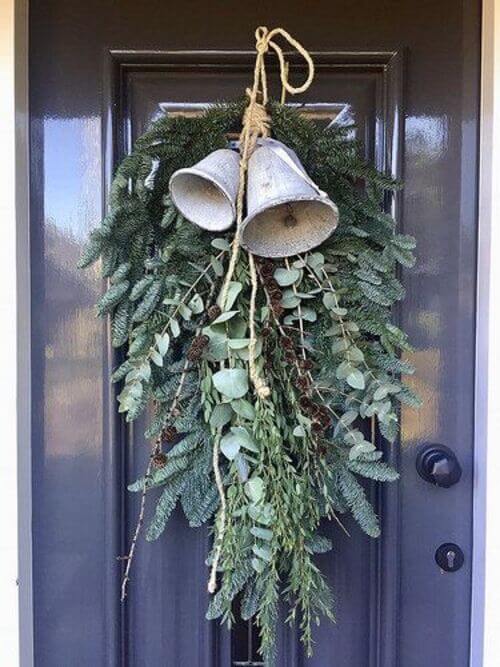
438 465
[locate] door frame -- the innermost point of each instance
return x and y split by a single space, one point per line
21 222
485 618
485 639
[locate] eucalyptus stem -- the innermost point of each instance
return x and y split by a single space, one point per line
183 300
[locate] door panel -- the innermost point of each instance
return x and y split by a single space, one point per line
98 75
357 86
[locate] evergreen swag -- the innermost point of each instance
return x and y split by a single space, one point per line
326 346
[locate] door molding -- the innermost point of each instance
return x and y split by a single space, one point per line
23 325
485 640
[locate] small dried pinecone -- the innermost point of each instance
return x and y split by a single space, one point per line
194 353
277 309
322 451
213 312
323 411
316 410
197 346
267 270
271 285
287 342
169 433
302 383
265 332
306 364
305 402
159 460
317 427
324 419
202 341
276 295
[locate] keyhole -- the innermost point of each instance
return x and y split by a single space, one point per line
449 557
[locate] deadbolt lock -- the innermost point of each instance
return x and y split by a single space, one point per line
449 557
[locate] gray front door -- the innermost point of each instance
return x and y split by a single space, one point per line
407 73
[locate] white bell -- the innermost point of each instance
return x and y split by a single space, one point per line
205 194
287 213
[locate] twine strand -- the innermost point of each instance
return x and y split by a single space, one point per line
212 582
256 124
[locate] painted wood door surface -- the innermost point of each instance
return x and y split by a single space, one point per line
407 74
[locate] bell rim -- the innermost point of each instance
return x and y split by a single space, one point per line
194 171
278 201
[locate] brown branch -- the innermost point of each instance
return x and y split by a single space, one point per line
140 520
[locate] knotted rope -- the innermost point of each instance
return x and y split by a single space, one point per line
256 124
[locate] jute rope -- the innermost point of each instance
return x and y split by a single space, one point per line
256 124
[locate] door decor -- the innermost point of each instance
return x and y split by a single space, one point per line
251 295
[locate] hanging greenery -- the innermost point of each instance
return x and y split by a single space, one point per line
323 343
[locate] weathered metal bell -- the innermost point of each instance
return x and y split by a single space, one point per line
206 193
287 213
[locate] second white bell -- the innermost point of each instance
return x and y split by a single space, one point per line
287 213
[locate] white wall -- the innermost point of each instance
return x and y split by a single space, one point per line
8 443
487 475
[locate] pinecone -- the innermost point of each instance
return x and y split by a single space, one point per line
160 460
266 331
306 364
305 402
315 410
194 354
267 270
201 341
323 411
169 433
271 285
213 312
324 417
302 383
277 309
317 428
287 342
197 346
276 295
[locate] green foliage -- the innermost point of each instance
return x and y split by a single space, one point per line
164 507
332 361
355 498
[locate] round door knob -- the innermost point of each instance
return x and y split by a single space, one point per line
438 465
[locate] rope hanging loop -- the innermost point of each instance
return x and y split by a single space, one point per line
264 40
